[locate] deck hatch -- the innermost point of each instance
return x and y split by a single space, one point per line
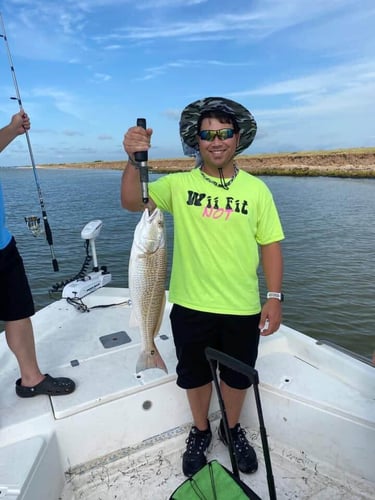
115 339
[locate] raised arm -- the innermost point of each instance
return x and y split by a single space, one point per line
136 139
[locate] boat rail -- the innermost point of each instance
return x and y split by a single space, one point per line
352 354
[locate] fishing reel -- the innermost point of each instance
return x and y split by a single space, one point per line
33 223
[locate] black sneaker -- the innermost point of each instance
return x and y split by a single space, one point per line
245 454
197 444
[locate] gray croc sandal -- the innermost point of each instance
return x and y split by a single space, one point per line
49 386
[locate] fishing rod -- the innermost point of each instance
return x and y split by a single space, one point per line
32 222
141 157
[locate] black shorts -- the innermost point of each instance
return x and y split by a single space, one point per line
193 331
16 301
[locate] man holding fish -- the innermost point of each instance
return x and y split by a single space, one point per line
223 218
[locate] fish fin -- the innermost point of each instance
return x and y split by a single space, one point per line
151 359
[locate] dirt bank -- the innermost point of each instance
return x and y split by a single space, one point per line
342 163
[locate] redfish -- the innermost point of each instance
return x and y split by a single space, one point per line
147 281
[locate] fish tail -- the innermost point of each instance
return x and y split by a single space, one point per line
150 359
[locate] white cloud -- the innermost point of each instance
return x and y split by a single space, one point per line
91 66
62 100
101 77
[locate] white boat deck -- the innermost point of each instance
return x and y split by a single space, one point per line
152 471
121 434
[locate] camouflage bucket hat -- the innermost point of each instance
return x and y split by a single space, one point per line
190 116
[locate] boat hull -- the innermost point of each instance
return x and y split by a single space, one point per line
317 401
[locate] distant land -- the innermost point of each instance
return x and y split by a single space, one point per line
358 162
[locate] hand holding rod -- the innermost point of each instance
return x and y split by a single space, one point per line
47 227
141 157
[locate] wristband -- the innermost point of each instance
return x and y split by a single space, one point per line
275 295
133 162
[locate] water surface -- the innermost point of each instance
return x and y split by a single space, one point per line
329 224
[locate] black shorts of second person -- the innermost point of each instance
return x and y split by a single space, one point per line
16 301
193 331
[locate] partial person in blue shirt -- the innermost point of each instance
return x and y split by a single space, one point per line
16 301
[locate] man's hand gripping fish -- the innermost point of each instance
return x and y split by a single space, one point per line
147 279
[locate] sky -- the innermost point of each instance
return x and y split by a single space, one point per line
87 69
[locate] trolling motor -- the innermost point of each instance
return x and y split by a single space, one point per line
98 277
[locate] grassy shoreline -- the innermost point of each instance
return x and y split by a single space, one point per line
356 162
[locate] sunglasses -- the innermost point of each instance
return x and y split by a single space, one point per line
222 134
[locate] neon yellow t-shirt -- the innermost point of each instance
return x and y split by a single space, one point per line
216 238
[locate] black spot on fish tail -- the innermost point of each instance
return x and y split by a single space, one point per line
148 360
